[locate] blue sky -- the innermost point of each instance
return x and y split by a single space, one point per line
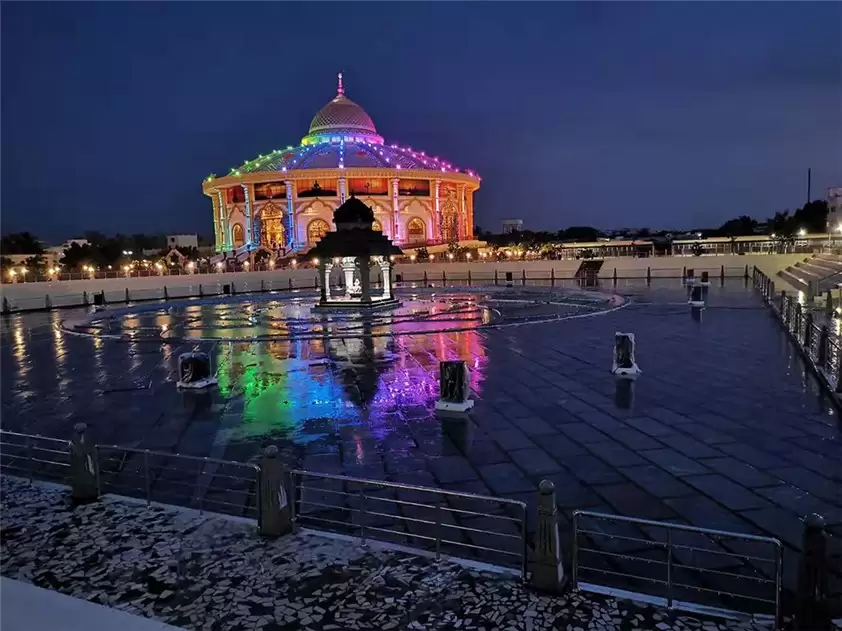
605 114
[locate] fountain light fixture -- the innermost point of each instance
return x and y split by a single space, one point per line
271 263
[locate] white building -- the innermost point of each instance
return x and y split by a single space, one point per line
512 225
182 241
834 204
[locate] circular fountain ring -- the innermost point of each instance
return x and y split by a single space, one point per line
277 317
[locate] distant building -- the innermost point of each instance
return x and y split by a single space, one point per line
182 241
834 204
512 225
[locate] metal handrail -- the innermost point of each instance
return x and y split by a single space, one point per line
442 532
669 567
30 445
197 495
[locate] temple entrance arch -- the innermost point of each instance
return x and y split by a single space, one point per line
238 235
415 231
316 229
272 230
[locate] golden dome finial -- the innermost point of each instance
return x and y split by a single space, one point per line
340 90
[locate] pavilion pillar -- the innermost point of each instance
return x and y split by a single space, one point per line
323 275
437 236
469 202
395 209
342 190
365 278
349 264
385 270
290 216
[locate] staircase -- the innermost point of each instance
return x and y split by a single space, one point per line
822 271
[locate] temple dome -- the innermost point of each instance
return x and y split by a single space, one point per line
341 117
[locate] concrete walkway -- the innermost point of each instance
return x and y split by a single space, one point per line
25 607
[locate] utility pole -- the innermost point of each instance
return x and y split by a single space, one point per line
809 182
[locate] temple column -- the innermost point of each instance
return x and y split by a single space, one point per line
322 275
469 202
342 190
396 237
463 212
349 264
248 197
326 279
217 228
223 222
291 240
365 278
437 236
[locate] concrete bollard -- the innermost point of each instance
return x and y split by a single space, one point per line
48 304
615 275
523 276
496 278
127 295
443 276
782 308
262 287
275 511
233 289
811 589
469 276
552 277
290 282
547 570
425 278
828 306
721 274
83 467
166 295
648 275
201 291
746 273
6 306
85 300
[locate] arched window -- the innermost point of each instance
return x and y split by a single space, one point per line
415 231
377 226
238 235
316 230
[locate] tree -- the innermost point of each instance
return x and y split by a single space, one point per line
422 253
21 243
580 233
812 217
742 226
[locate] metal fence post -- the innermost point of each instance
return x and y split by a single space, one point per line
838 388
469 276
438 529
496 278
363 513
523 276
85 298
262 286
783 305
648 275
669 567
721 274
6 307
128 299
811 590
425 278
547 570
552 277
828 307
47 302
808 333
615 274
275 516
821 360
166 295
146 481
83 466
746 273
290 282
201 291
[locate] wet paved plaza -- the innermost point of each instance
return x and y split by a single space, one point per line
724 429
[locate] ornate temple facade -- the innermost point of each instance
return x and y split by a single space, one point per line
284 201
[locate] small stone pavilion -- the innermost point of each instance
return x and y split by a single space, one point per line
356 247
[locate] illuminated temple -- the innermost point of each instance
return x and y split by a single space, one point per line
283 201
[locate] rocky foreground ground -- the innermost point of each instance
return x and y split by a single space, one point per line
209 572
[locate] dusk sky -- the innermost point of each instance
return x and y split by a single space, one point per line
666 115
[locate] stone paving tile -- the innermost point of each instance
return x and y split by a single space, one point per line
615 454
674 462
201 572
740 472
728 493
656 481
534 461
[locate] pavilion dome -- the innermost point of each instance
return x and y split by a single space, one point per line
353 211
341 117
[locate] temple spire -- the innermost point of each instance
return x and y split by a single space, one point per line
340 90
